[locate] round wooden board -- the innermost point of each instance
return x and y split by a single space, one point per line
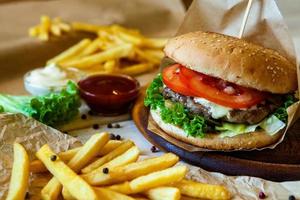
279 164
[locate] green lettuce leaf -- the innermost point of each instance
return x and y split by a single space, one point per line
174 113
52 109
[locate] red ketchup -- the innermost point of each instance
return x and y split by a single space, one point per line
109 94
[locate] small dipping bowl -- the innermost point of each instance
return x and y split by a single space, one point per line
109 94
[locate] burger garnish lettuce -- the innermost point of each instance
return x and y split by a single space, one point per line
225 91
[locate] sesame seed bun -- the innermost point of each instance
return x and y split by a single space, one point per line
212 141
234 60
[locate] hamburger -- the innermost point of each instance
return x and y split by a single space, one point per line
221 92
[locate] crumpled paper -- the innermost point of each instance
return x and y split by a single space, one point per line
32 135
265 26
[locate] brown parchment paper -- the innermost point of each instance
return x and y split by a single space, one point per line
265 26
32 135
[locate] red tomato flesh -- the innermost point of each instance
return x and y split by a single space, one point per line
171 79
190 83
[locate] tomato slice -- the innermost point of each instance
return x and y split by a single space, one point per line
172 80
219 91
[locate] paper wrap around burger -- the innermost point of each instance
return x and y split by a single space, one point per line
265 26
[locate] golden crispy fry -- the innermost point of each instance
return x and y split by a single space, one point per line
137 69
163 193
34 31
88 151
19 174
130 38
123 188
37 166
157 53
110 66
69 179
64 26
110 54
55 30
134 170
156 179
157 43
92 48
201 190
111 195
131 155
51 190
101 161
110 146
71 52
79 26
66 194
146 57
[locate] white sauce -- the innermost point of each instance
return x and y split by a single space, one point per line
49 76
217 111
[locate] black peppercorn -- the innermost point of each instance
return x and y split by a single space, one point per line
105 170
112 136
154 149
83 116
109 125
117 126
292 197
262 195
53 158
95 126
118 137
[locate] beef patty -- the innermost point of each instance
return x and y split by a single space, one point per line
249 116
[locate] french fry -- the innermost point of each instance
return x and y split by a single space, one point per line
44 28
19 174
64 26
91 48
111 195
37 166
130 38
156 179
131 155
71 52
51 190
123 188
142 55
157 53
110 54
201 190
134 170
89 151
55 30
110 66
163 193
34 31
113 154
79 26
66 194
137 69
157 43
69 179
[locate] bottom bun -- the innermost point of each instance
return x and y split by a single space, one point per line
212 141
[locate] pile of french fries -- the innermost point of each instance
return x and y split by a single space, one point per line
115 49
104 169
48 27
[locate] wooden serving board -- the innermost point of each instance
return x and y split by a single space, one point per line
279 164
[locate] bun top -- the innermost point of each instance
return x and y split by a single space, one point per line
234 60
